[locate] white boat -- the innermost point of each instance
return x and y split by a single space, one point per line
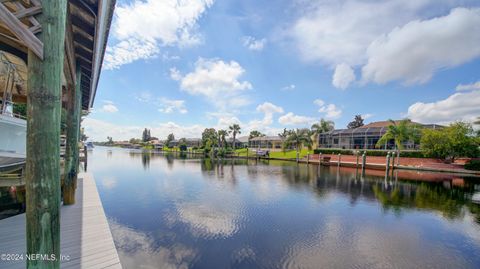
89 146
476 198
13 133
13 128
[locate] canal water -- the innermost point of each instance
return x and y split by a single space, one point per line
171 211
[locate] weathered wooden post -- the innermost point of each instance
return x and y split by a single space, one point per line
339 159
393 160
308 158
364 162
85 158
356 153
43 137
387 165
74 97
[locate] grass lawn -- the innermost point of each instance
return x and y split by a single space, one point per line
242 152
291 154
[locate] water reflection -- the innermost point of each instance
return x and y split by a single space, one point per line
172 211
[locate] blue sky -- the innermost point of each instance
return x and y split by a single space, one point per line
181 66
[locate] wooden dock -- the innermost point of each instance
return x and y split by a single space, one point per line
86 239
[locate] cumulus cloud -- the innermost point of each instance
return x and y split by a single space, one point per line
140 28
254 44
468 87
216 80
169 106
98 130
175 74
342 32
343 76
292 119
414 52
331 111
165 105
335 32
268 109
458 106
109 107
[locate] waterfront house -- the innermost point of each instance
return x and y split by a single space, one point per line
193 142
364 137
243 141
157 144
273 143
238 143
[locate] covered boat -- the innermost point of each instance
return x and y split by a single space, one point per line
13 78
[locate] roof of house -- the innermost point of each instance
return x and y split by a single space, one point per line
375 128
243 139
267 138
384 123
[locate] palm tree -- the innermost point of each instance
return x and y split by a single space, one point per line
234 130
323 126
221 137
254 134
400 132
298 138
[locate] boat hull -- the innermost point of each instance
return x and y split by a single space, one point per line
13 136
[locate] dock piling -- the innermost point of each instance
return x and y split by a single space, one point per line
74 96
387 165
364 162
43 137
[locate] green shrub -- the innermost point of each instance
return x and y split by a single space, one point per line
473 165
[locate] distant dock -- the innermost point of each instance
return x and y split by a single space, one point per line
86 239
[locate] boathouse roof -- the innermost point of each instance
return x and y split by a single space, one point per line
88 25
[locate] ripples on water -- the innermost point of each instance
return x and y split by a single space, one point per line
175 212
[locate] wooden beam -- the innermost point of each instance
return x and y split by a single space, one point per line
73 129
80 39
35 29
82 24
85 7
21 31
28 12
42 171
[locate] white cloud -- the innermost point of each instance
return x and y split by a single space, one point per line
141 27
417 50
98 130
254 44
458 106
218 81
109 107
343 76
127 51
331 111
335 32
468 87
165 105
341 32
268 109
175 74
169 106
290 87
292 119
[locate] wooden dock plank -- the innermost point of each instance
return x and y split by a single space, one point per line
85 235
